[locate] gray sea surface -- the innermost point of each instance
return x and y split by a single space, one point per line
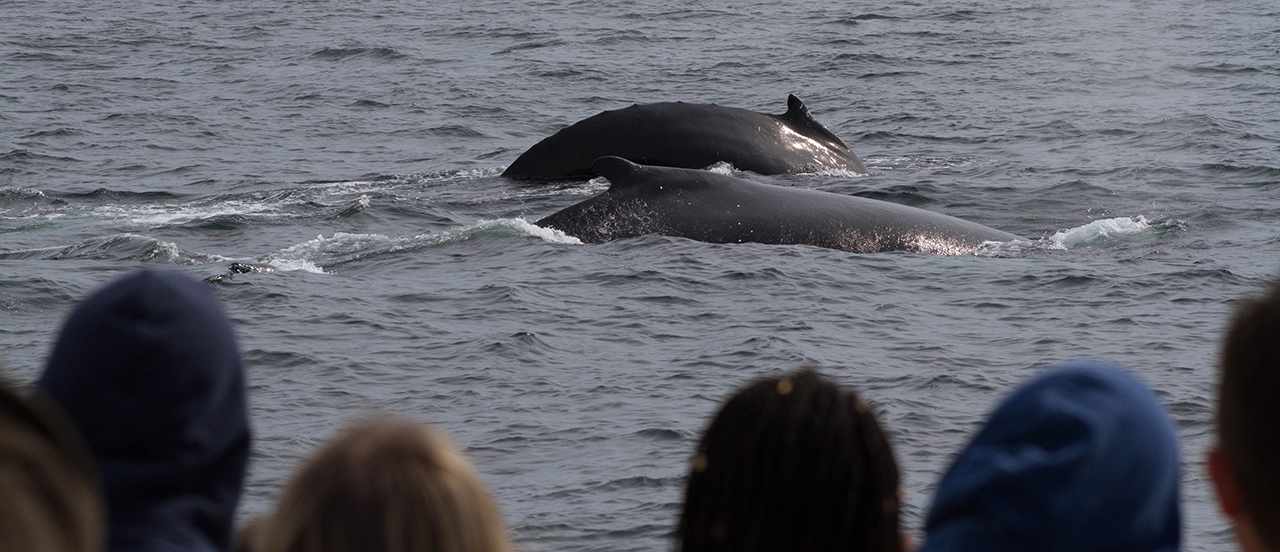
352 150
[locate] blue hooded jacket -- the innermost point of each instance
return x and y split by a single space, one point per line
1082 458
148 369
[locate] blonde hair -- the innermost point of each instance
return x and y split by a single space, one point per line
390 485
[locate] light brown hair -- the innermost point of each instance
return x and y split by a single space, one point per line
387 484
50 498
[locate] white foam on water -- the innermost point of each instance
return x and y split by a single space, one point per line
291 265
549 235
341 247
592 187
365 186
126 245
846 173
1092 232
163 251
1099 230
37 216
886 163
723 167
166 214
304 256
350 187
22 192
512 225
727 169
463 174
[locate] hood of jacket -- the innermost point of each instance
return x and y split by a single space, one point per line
148 369
1082 457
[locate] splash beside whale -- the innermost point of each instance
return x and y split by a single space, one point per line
711 207
693 136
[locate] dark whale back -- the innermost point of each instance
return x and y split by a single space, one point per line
712 207
678 134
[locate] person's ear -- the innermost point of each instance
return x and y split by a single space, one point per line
1224 483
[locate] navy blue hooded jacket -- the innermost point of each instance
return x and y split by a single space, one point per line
149 370
1082 458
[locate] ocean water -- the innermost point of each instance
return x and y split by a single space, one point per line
350 152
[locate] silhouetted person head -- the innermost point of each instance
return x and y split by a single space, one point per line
148 369
388 485
1082 457
1243 463
49 495
795 463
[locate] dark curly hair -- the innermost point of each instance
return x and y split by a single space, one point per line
793 462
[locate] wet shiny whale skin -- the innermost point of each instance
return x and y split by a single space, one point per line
712 207
689 135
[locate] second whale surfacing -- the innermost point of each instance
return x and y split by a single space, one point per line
692 136
711 207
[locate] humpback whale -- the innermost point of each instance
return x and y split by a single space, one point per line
693 136
711 207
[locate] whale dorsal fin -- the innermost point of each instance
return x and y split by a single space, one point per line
619 171
796 108
798 116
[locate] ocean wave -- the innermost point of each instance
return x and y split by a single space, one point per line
168 214
53 132
291 265
1097 231
530 45
871 17
913 162
507 227
384 182
20 193
907 137
106 193
842 173
23 156
217 222
373 104
360 205
889 74
320 200
341 248
321 249
1218 69
339 54
455 131
118 247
